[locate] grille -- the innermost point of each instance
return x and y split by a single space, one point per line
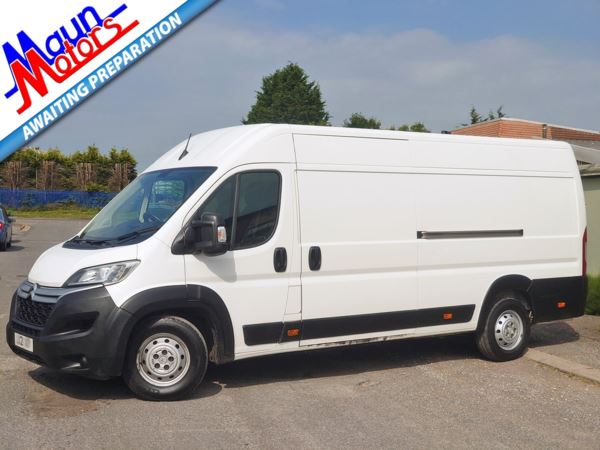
18 326
35 303
34 313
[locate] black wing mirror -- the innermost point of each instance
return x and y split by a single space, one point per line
207 234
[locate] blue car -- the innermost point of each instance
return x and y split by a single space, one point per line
5 229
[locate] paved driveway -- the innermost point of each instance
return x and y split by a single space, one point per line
427 393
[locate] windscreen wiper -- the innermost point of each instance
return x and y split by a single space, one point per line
78 240
136 233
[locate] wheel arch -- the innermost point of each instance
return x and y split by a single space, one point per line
516 283
202 306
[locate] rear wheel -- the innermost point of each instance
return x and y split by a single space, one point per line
505 333
4 244
166 359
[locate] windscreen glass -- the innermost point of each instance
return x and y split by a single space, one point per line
143 206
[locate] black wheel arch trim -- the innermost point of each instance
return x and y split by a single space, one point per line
187 298
540 296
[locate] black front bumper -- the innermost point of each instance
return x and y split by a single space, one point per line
81 332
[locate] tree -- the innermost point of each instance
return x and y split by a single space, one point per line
287 96
357 120
32 168
475 116
499 114
417 127
478 118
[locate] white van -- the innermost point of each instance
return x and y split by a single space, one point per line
263 239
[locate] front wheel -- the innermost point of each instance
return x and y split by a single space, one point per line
166 359
505 333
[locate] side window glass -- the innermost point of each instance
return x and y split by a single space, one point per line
257 209
221 202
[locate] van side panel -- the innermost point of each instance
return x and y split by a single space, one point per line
535 232
494 154
368 250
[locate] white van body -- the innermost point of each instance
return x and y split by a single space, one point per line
411 234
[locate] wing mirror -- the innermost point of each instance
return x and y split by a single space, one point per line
207 234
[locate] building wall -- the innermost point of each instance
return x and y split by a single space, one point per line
522 129
490 129
591 186
561 134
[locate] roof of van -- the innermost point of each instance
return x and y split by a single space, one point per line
238 145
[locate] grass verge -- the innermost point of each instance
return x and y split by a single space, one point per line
58 212
593 300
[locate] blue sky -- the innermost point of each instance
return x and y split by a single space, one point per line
399 61
574 21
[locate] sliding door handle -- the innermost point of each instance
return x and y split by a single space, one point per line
314 258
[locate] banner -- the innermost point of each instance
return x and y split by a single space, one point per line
55 55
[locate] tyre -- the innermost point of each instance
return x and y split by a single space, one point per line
505 333
166 359
3 245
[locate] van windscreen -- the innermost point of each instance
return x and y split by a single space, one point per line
142 207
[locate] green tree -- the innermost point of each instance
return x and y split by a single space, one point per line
357 120
287 96
475 116
52 170
498 115
478 118
417 127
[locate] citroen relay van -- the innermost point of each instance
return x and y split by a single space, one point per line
264 239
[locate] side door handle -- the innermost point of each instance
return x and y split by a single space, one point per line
280 259
314 258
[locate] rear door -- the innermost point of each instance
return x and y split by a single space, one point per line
358 240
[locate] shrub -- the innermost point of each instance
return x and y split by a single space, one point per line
593 300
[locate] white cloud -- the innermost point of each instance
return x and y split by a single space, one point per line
206 78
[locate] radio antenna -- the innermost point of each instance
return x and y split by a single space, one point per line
185 150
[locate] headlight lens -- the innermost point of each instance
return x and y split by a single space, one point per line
105 274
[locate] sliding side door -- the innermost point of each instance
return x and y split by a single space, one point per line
358 239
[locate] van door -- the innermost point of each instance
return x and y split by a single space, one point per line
358 240
255 276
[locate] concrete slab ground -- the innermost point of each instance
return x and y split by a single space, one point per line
571 346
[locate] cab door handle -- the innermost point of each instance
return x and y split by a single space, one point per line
314 258
280 259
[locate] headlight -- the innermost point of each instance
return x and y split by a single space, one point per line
105 274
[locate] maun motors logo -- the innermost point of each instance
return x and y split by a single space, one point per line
64 52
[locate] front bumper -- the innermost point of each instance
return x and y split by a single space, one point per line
73 330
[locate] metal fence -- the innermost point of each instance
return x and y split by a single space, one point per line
31 198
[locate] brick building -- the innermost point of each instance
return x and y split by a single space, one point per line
586 143
586 146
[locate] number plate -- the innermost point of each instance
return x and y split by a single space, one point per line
24 342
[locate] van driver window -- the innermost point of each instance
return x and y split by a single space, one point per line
257 208
221 202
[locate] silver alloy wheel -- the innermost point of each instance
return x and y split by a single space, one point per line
163 359
509 330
